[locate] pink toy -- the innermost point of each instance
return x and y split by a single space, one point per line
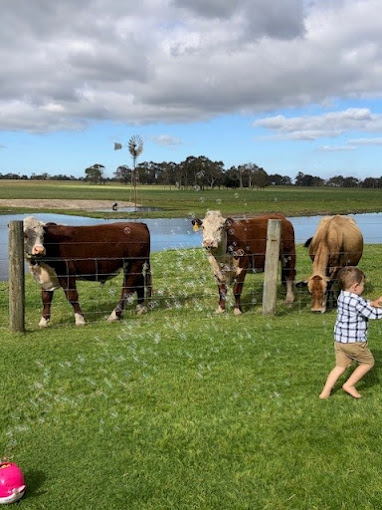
12 486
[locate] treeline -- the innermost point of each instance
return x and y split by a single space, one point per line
201 173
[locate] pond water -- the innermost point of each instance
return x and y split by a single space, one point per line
178 233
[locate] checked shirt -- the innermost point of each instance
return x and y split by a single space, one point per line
353 313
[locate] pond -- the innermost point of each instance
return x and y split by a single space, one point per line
177 233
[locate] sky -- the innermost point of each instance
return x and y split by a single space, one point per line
291 86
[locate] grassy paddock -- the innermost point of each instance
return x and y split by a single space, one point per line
174 203
181 409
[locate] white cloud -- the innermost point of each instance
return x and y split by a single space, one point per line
338 148
331 124
167 140
366 141
69 63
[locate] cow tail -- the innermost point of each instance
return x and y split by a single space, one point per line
148 285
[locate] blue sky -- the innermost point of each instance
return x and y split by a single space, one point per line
292 86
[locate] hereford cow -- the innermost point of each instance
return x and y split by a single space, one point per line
237 246
338 242
58 255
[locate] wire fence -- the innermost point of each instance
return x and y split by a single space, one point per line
182 280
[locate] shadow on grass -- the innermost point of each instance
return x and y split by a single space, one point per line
34 481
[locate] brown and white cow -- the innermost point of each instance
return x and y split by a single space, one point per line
235 247
338 242
58 255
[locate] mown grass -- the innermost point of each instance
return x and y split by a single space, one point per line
181 409
291 201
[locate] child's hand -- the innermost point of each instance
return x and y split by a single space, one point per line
377 303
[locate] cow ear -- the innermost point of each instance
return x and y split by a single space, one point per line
228 223
197 223
302 285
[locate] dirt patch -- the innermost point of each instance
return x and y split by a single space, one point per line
48 203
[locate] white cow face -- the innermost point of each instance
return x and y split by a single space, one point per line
33 237
214 230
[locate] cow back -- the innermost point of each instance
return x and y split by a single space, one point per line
338 238
248 238
91 251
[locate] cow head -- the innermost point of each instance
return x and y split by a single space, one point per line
33 238
318 286
215 228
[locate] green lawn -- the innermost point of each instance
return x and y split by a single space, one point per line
291 201
181 409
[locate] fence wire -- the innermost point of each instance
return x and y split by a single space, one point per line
182 281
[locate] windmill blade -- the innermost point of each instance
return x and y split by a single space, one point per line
135 146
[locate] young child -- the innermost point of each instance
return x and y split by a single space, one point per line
350 331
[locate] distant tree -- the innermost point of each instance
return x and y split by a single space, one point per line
335 182
350 182
260 178
123 174
94 173
231 178
371 182
167 173
280 180
40 177
213 173
308 180
199 172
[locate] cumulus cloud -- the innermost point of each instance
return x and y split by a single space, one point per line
67 64
331 124
167 140
336 148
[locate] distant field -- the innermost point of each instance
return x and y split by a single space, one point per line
291 201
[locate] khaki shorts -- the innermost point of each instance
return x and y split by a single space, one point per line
347 353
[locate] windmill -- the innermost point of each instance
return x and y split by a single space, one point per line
135 148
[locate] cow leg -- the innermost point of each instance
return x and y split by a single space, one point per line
288 274
70 289
237 290
46 297
331 301
222 287
133 281
289 298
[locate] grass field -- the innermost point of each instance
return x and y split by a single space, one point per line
181 409
290 200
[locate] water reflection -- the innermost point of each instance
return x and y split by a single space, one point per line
178 233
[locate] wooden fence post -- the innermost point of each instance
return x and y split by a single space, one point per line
16 277
272 254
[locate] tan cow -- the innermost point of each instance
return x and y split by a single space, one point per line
235 247
338 242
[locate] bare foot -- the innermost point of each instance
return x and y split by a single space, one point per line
323 395
352 391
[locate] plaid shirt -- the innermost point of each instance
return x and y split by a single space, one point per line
353 314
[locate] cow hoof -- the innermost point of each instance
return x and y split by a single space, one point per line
237 311
113 317
289 301
219 310
79 319
43 322
141 309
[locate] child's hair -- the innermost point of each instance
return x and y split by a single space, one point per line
348 276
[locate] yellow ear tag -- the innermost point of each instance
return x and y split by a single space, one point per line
196 227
